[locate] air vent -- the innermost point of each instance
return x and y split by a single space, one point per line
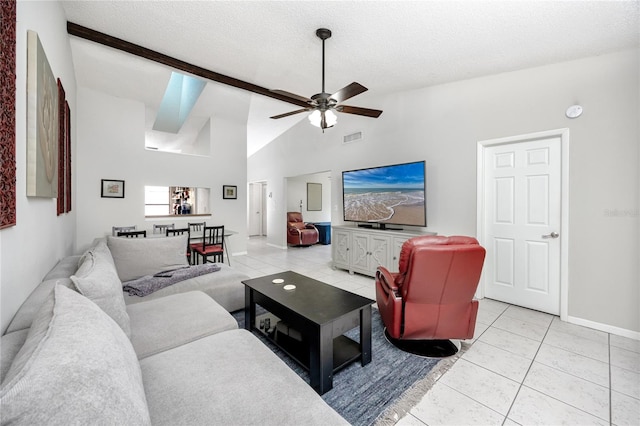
353 137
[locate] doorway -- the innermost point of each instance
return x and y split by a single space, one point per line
310 195
522 220
257 209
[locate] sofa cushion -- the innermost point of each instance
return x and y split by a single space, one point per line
63 269
137 257
76 367
59 274
101 249
97 279
161 324
9 348
24 317
36 333
224 286
229 378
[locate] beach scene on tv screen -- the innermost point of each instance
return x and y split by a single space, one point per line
390 194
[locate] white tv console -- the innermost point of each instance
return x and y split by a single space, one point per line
363 249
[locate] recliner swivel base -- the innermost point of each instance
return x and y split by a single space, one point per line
425 348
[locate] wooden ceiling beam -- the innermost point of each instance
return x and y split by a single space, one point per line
152 55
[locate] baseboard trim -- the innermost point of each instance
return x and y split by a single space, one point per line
277 246
635 335
239 253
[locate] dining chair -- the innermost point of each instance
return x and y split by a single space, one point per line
212 244
160 229
116 229
132 234
196 235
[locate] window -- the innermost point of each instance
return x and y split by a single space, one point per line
175 200
156 201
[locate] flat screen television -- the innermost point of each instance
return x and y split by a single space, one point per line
386 195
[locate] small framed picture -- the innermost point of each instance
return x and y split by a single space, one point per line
229 192
112 188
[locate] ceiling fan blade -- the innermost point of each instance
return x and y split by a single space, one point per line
292 95
286 114
375 113
348 92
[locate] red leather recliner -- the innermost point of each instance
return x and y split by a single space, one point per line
430 298
300 233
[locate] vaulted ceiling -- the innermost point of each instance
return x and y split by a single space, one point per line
388 46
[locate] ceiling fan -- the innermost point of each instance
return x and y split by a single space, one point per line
324 104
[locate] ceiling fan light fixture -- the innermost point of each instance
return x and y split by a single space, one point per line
330 118
323 105
315 118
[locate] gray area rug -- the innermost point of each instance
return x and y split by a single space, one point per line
378 392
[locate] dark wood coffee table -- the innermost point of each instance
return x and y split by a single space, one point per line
319 314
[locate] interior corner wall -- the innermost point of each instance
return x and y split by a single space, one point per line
38 231
111 146
443 124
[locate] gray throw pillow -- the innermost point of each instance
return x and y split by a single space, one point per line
97 279
76 367
137 257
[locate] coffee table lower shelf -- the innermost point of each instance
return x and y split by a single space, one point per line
345 350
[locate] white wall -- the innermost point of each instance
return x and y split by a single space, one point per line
202 144
442 125
111 146
40 238
297 190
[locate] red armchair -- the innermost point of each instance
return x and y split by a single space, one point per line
300 233
430 299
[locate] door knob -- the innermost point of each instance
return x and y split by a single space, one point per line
551 235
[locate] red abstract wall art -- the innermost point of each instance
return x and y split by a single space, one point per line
8 114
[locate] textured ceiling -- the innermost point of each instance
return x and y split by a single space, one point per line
387 46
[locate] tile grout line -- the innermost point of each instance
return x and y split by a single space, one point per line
455 390
527 373
554 398
573 352
474 400
320 268
471 345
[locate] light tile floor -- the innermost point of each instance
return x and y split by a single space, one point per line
523 367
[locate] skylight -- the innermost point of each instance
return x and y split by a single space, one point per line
181 95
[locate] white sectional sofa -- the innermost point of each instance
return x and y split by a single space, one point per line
81 352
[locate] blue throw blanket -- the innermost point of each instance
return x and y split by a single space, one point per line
149 283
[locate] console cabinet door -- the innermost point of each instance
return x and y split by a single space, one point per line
368 251
360 253
341 246
395 253
379 252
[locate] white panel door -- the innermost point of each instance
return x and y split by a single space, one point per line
255 209
522 199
